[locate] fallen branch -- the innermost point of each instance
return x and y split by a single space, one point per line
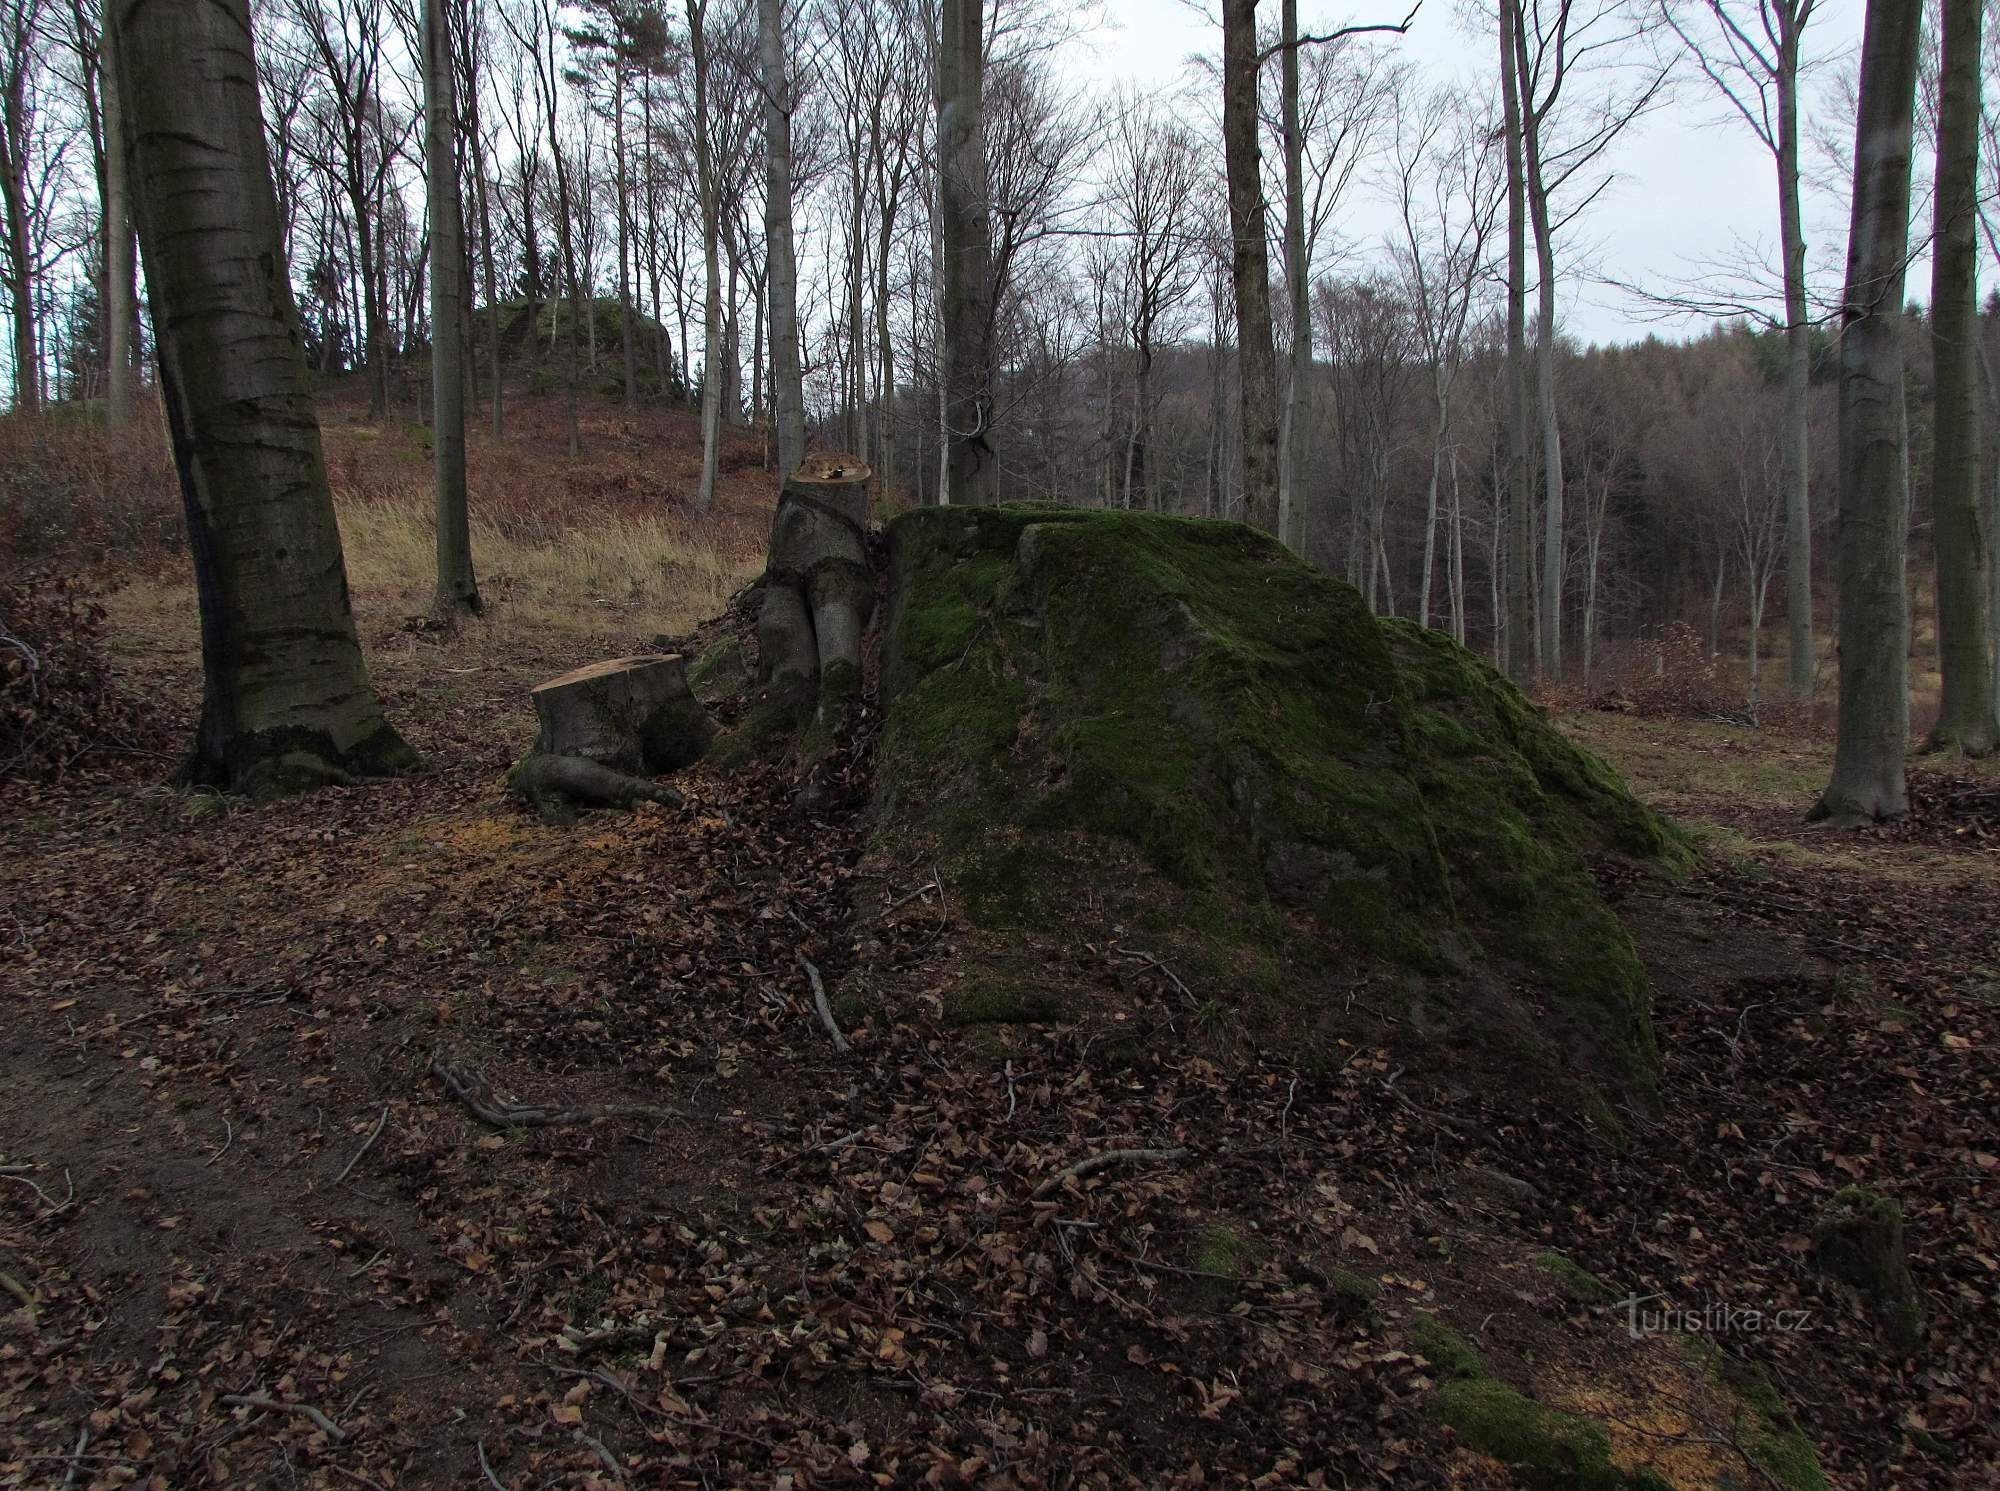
228 1138
1104 1161
47 1200
20 1292
76 1457
825 1009
487 1470
475 1097
320 1421
373 1134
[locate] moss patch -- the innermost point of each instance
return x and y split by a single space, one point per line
1445 1349
1223 744
1546 1449
1576 1281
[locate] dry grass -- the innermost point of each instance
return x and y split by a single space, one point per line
666 569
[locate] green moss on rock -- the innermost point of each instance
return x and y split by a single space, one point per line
1182 717
1546 1449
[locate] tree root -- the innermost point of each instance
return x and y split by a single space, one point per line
476 1097
556 785
1103 1161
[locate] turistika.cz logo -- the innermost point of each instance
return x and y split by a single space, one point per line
1714 1318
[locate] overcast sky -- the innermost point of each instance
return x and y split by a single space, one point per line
1689 183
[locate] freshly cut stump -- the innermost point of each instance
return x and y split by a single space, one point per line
628 713
602 724
818 594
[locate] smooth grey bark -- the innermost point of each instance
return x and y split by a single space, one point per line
121 292
1873 736
970 465
1520 629
787 387
1792 18
468 76
1548 648
1966 715
1257 360
457 589
286 700
18 22
708 189
622 184
1292 448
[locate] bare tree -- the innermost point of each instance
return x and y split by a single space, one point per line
787 392
457 590
1153 194
966 310
1257 376
1966 720
20 51
287 703
1873 738
1447 183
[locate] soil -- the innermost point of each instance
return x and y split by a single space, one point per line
228 1169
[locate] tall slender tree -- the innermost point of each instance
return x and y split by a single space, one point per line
1522 639
286 702
457 590
120 262
971 466
1966 715
787 386
1751 53
1257 358
1873 739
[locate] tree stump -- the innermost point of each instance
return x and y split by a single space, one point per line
629 713
818 593
1858 1240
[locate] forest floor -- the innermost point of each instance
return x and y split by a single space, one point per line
273 1211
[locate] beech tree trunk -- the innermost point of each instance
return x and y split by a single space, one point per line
1867 783
1548 654
121 297
457 590
707 189
1257 372
787 387
1520 630
286 703
971 468
1798 363
1292 451
1966 717
17 38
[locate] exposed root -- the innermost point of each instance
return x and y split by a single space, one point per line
1104 1161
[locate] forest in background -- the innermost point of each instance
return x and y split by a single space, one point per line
1116 374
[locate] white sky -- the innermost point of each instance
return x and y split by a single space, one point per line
1689 184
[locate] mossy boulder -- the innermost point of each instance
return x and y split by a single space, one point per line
1350 826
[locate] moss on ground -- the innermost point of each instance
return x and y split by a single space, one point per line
1308 790
1576 1281
1445 1349
1764 1429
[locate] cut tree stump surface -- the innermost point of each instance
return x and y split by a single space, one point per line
600 711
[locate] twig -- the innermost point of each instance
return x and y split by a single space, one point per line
471 1092
1285 1118
603 1453
47 1200
20 1292
901 901
1133 952
320 1421
825 1009
491 1479
355 1476
228 1138
1104 1161
373 1134
76 1456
